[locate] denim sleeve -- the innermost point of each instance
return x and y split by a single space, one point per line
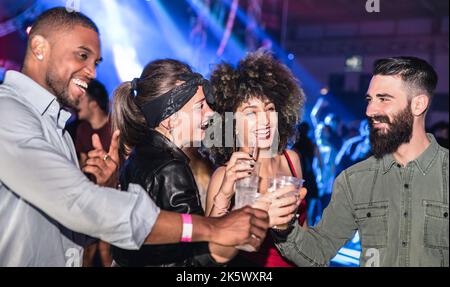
319 244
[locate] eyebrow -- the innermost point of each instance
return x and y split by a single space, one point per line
99 60
249 107
381 96
255 107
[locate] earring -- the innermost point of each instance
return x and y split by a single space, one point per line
40 57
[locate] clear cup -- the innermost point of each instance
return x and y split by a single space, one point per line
286 182
246 193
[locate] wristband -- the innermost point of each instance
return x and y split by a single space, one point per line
186 235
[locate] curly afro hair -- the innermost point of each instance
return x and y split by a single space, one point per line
258 75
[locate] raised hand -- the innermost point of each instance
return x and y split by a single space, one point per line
104 165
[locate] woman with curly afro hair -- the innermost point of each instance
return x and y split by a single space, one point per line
265 102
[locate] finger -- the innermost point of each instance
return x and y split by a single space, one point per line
254 153
285 201
284 211
303 193
261 221
100 163
281 220
96 153
255 242
247 166
284 190
258 232
258 213
96 143
238 155
94 170
262 204
241 175
114 147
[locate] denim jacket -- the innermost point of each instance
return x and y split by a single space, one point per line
401 214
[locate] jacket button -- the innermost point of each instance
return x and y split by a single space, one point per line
405 214
406 185
446 214
369 214
404 244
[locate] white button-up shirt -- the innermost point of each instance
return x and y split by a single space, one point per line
45 200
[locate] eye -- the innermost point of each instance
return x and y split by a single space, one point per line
83 56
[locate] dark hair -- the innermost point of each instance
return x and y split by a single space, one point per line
60 18
257 75
96 91
416 73
158 78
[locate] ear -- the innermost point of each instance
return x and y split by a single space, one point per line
93 104
164 124
39 47
419 104
173 121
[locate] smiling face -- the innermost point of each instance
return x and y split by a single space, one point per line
191 121
71 64
389 114
256 123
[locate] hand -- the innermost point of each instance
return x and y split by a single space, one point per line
241 227
234 172
283 209
104 165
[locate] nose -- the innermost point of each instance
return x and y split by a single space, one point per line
265 119
91 71
207 111
372 109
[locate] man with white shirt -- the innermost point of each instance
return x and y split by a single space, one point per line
46 203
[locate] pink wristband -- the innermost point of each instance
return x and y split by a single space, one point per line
186 235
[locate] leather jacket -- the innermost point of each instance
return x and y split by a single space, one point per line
162 169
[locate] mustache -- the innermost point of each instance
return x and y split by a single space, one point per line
381 119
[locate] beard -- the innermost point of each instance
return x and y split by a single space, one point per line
61 92
399 132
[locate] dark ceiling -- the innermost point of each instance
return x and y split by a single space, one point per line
11 8
319 11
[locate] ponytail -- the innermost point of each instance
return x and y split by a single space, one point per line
128 118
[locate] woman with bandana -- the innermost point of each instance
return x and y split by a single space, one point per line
159 114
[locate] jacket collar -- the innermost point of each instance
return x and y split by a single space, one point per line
158 143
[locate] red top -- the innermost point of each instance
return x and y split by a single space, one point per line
268 255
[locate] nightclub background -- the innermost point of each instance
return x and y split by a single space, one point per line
329 44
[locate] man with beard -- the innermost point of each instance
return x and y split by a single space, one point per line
398 198
44 197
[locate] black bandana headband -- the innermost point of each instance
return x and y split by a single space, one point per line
169 103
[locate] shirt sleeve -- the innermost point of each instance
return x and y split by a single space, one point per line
40 174
318 245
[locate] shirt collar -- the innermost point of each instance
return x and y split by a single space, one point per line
37 96
424 161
